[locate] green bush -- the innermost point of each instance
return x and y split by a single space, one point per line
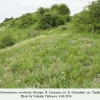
13 23
6 41
1 24
63 9
7 19
51 20
42 10
61 20
89 19
57 15
26 20
67 17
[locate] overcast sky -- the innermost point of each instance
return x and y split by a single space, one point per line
16 8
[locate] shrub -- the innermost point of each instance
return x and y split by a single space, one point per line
61 20
7 19
89 19
26 20
42 10
6 41
67 17
1 24
61 9
53 17
55 6
13 23
51 20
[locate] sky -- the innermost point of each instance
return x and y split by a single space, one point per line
16 8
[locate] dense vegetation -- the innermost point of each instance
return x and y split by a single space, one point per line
7 19
89 19
51 49
43 18
57 15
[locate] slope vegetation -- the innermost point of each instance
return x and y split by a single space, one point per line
51 49
52 61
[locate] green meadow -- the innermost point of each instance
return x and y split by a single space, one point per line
57 57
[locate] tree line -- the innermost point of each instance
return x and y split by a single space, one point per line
57 14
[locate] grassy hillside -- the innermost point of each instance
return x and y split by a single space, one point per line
29 25
44 50
61 59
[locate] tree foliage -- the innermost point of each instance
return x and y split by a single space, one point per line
51 20
7 19
25 21
42 10
63 9
53 17
45 18
89 19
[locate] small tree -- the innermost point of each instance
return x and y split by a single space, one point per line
7 19
42 10
63 9
53 17
51 20
89 19
55 6
25 21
